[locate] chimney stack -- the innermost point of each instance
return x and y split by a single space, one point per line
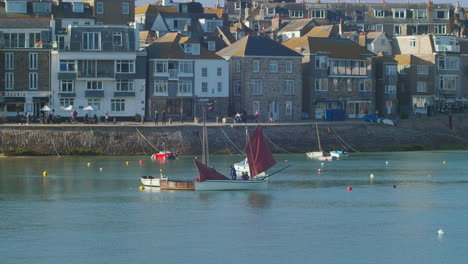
276 23
362 39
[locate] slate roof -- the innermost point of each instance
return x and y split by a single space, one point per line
188 15
298 24
335 47
168 47
212 10
257 46
324 31
154 9
385 58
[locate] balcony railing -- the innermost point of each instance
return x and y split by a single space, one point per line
447 48
173 74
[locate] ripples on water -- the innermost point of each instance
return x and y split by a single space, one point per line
80 214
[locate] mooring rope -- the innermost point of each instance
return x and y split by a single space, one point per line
143 136
53 144
276 146
353 149
231 141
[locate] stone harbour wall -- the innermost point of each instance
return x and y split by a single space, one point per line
130 139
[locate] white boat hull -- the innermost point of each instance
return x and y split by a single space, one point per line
152 181
315 154
338 154
226 185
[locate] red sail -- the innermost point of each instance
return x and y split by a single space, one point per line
259 154
207 173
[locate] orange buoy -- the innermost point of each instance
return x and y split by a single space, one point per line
349 188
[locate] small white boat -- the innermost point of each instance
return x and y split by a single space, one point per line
151 181
315 154
338 153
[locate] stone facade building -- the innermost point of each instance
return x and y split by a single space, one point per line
338 77
265 77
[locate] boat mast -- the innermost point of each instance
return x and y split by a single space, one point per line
318 137
204 140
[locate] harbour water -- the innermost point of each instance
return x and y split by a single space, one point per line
96 213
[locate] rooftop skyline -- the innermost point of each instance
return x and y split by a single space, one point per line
212 3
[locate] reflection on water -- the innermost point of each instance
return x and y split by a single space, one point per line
84 215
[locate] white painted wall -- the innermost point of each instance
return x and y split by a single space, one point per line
133 104
377 46
212 78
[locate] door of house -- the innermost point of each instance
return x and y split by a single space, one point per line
273 107
353 110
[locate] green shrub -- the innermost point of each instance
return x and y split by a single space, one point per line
18 152
84 151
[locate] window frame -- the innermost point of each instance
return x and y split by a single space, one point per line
129 83
33 60
33 81
9 60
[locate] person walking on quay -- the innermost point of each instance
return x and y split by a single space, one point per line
106 117
156 117
271 117
164 117
256 116
28 118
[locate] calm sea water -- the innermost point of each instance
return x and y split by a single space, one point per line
80 214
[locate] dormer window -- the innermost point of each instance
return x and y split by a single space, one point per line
193 49
399 13
441 14
16 7
78 7
91 41
420 14
379 13
271 11
237 5
296 13
317 13
211 46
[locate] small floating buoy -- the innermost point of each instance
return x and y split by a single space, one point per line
440 232
100 169
141 161
321 164
319 170
89 164
160 170
196 157
394 186
372 176
444 162
285 160
142 187
326 159
349 188
44 173
386 163
127 163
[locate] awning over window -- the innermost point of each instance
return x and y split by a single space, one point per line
15 99
40 99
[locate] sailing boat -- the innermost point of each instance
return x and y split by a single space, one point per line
320 155
259 158
243 166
